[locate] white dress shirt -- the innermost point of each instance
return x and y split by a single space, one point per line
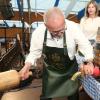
73 36
90 26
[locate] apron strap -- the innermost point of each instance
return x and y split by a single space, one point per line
44 43
64 44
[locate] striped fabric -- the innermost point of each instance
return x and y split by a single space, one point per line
90 84
92 87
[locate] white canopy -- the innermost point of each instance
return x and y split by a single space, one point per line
42 5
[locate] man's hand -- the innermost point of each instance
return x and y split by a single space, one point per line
87 69
24 72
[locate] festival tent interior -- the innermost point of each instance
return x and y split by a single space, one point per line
18 19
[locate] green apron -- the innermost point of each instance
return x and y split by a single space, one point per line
58 71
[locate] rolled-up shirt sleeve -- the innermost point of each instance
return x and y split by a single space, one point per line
36 45
84 45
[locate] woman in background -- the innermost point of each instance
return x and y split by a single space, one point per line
89 25
91 21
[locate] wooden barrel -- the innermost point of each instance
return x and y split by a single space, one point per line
97 54
98 36
9 79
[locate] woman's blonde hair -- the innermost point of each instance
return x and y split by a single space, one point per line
96 6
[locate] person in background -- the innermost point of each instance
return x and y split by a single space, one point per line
89 25
56 41
91 21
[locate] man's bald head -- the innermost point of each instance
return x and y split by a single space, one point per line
54 18
55 22
53 14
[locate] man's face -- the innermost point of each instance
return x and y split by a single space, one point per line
56 27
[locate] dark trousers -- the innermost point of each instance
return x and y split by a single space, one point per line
72 97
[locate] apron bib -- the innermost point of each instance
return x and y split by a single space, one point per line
58 71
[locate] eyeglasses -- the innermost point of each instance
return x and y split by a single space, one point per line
58 32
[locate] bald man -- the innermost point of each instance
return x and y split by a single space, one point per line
56 40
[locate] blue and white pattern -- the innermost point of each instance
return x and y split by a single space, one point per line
90 84
92 87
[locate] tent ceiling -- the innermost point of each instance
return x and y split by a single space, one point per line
43 5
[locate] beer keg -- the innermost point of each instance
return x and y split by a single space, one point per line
9 79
